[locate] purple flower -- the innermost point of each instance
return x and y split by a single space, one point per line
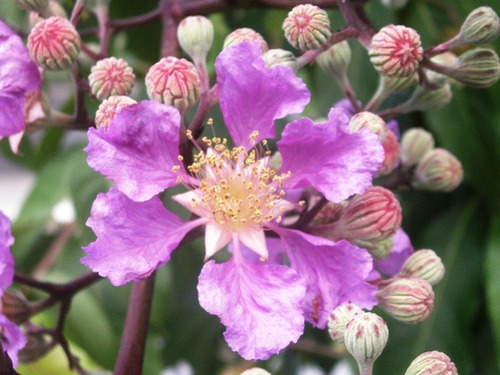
270 286
20 83
12 338
401 250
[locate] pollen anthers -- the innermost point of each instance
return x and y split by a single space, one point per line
237 187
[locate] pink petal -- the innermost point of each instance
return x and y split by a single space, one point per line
14 339
401 250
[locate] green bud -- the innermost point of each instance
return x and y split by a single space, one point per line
280 57
432 363
370 121
415 143
438 170
481 26
424 264
424 99
378 250
195 35
338 319
336 59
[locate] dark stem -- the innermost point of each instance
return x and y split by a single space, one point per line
170 21
59 291
307 216
131 354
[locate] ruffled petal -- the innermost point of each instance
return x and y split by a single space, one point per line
138 150
216 237
401 250
255 240
12 113
13 340
342 163
6 258
133 238
335 273
260 305
253 96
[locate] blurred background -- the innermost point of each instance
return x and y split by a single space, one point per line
48 192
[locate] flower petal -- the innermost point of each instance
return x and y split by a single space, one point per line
133 238
252 96
12 113
259 304
216 237
14 339
255 240
342 163
138 150
6 258
401 250
335 273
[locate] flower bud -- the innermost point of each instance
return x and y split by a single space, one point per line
438 170
378 250
394 4
110 77
338 319
36 347
307 27
391 152
330 213
424 264
479 68
54 43
365 338
369 121
424 99
255 371
174 82
432 363
280 57
244 35
32 5
396 51
407 299
109 108
195 35
336 59
481 26
15 307
415 143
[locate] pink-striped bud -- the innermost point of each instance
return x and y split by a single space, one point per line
15 306
424 264
245 35
415 143
391 154
370 121
109 108
407 299
110 77
338 319
396 51
173 82
438 170
54 43
307 27
432 363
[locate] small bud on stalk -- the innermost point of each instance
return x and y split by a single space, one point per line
54 43
438 170
110 77
244 35
255 371
415 143
432 363
173 82
36 347
369 121
424 264
307 27
338 319
407 299
195 35
365 338
335 60
109 108
280 57
396 51
481 26
378 250
32 5
15 307
424 99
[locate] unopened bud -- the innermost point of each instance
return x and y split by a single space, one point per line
481 26
336 59
415 143
307 27
110 77
54 43
365 338
32 5
396 51
424 99
424 264
109 108
36 347
438 170
432 363
173 82
378 250
15 307
195 35
394 4
338 319
330 213
407 299
369 121
255 371
391 153
479 68
245 35
276 161
280 57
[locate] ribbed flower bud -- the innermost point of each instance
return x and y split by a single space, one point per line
330 213
280 57
481 26
338 319
111 76
396 51
54 43
336 59
365 338
109 108
15 307
379 250
415 143
432 363
391 154
370 121
32 5
424 264
307 27
479 68
174 82
438 170
407 299
424 99
195 35
255 371
244 35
